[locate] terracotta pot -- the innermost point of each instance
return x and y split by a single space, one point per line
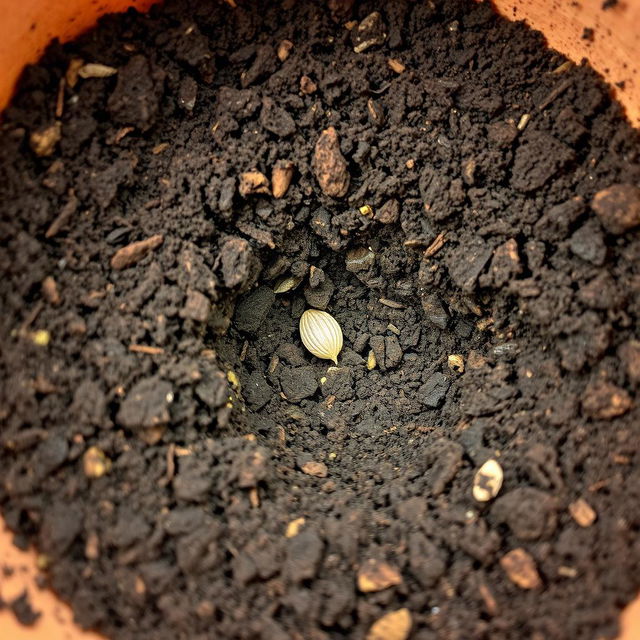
27 26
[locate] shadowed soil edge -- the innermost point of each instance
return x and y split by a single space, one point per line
457 196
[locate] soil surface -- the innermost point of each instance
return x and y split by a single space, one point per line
458 197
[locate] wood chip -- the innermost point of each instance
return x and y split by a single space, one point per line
281 178
254 497
395 65
582 512
253 182
488 481
293 528
392 626
316 469
375 575
134 252
521 569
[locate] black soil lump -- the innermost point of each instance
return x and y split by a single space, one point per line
470 219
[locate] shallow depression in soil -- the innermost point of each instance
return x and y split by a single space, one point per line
396 378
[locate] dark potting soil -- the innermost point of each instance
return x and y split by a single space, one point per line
458 198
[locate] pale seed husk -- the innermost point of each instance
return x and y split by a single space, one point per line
321 334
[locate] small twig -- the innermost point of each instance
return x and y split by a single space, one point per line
435 246
171 466
391 303
554 93
143 348
31 318
60 99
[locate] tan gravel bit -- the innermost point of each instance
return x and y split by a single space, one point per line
253 182
281 178
521 569
618 207
329 165
307 85
50 291
375 575
456 362
488 481
134 252
582 512
293 528
316 469
284 50
95 463
392 626
43 141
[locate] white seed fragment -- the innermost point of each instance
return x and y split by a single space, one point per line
96 70
488 481
321 334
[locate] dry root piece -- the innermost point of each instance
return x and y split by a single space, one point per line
43 141
253 182
134 252
377 576
582 512
618 207
487 481
392 626
329 165
284 50
521 569
281 178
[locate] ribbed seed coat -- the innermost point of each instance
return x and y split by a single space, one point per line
321 334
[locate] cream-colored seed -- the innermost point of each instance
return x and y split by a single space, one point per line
321 334
487 481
